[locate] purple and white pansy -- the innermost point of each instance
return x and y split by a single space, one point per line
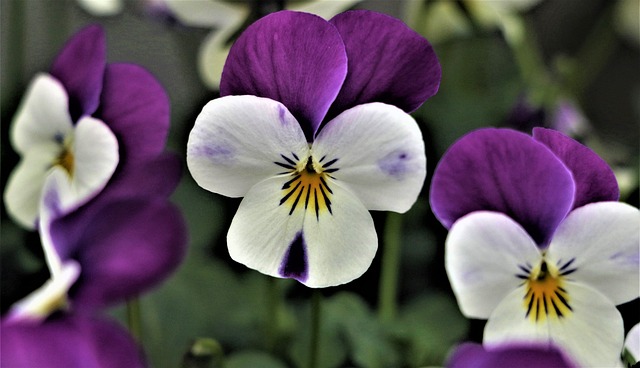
537 243
313 132
105 241
91 120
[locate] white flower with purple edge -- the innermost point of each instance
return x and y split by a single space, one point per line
313 141
537 244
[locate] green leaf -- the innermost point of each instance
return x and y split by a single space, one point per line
253 359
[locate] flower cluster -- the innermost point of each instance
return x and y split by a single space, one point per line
95 180
537 243
313 132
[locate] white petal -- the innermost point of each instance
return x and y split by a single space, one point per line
237 140
340 245
95 150
102 8
213 54
50 297
603 238
327 9
592 334
22 194
262 229
43 116
319 249
380 155
483 254
632 342
207 13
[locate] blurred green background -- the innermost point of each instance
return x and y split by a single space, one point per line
505 63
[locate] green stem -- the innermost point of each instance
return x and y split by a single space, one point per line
272 312
133 319
387 304
316 315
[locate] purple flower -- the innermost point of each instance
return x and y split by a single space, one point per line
470 355
313 131
537 244
91 120
69 340
121 240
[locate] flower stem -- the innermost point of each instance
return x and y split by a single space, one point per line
316 315
272 312
133 319
390 268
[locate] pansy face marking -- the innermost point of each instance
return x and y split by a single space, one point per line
309 184
545 294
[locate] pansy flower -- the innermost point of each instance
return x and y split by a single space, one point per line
121 245
509 355
91 120
537 244
313 132
632 344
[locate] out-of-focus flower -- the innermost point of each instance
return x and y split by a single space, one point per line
69 340
121 245
228 18
537 244
632 344
626 20
469 355
91 120
313 132
102 8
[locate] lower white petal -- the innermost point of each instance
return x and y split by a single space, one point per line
379 151
297 231
43 116
262 230
238 141
342 244
592 334
485 251
602 240
632 342
24 186
95 158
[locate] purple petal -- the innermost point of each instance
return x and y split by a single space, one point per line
68 341
295 58
126 248
594 179
388 62
504 171
136 108
80 67
521 356
295 264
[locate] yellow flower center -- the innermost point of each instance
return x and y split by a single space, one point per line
66 161
545 295
308 189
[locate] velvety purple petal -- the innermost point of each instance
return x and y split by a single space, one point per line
80 67
595 181
68 341
388 62
136 108
295 58
154 178
521 356
504 171
125 249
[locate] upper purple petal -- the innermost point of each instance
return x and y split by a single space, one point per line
521 356
388 62
505 171
136 108
125 249
80 68
68 341
295 58
594 179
